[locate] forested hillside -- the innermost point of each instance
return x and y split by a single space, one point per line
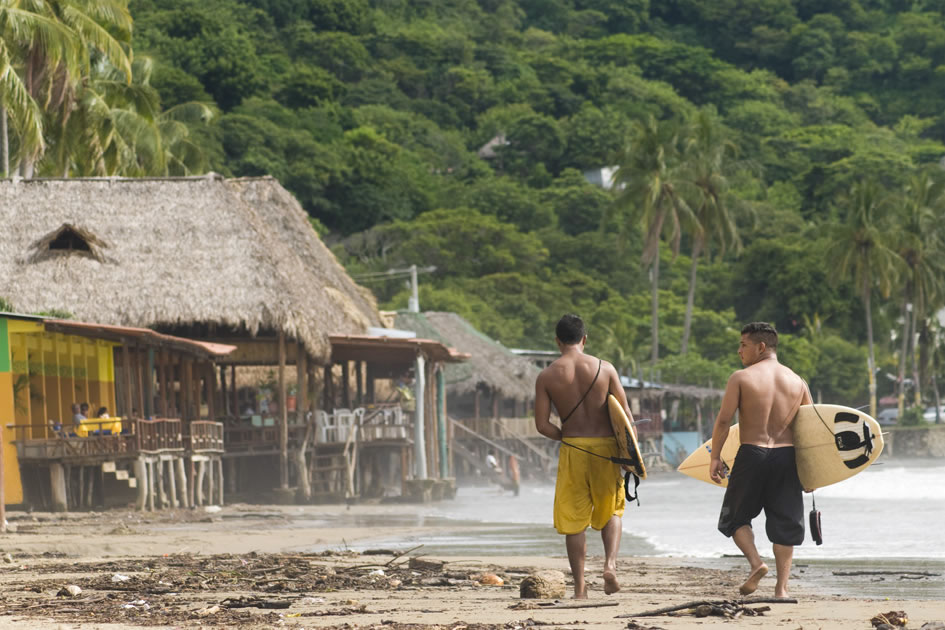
790 147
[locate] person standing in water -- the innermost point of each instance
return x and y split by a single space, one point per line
767 396
589 490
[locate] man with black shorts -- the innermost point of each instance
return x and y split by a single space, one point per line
767 396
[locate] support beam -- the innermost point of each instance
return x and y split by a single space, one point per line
141 476
172 481
284 419
419 433
198 484
220 485
182 482
57 481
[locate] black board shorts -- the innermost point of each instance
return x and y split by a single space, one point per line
765 478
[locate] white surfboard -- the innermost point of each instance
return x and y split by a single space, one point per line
832 443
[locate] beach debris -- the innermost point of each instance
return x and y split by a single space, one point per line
70 590
419 564
548 584
491 579
559 604
255 602
933 625
732 609
892 618
377 572
633 625
210 610
8 558
903 575
118 577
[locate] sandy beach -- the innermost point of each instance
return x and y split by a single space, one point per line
241 567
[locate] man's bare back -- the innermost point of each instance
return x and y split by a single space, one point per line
769 395
566 380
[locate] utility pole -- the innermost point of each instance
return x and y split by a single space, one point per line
411 272
413 304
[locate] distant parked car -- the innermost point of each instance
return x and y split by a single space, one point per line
929 413
888 416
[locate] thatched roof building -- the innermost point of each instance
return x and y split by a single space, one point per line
491 365
175 253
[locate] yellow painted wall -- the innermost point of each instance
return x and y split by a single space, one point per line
53 371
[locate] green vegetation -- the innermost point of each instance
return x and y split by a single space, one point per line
778 158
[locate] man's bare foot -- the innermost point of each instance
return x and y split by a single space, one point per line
781 594
751 584
581 595
611 585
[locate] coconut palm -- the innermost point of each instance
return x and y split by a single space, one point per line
651 181
709 160
860 246
24 27
118 128
920 246
55 63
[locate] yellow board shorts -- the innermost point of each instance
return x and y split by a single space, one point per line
589 490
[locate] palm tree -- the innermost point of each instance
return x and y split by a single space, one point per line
650 179
118 128
87 32
25 26
709 160
860 247
921 244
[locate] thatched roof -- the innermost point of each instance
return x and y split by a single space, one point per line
174 252
491 364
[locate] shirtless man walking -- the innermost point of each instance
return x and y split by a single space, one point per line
588 490
767 396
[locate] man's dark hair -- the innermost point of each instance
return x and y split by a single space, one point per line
762 332
570 329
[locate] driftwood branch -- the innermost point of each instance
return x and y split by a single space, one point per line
903 573
576 604
703 602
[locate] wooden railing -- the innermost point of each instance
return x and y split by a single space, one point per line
161 434
55 441
206 435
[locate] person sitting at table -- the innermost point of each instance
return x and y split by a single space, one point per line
84 410
102 413
77 415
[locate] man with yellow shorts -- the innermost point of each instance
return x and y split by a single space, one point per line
589 490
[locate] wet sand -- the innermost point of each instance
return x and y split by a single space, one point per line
274 567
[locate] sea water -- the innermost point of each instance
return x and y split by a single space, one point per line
882 528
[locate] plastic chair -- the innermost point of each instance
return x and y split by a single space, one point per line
344 421
324 427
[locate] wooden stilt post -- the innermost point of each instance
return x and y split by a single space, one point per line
126 378
140 359
57 481
151 483
182 483
219 463
236 394
211 482
225 410
172 481
141 475
198 485
359 374
345 385
284 425
161 494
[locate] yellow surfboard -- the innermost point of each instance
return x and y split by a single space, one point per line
697 464
627 447
831 443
